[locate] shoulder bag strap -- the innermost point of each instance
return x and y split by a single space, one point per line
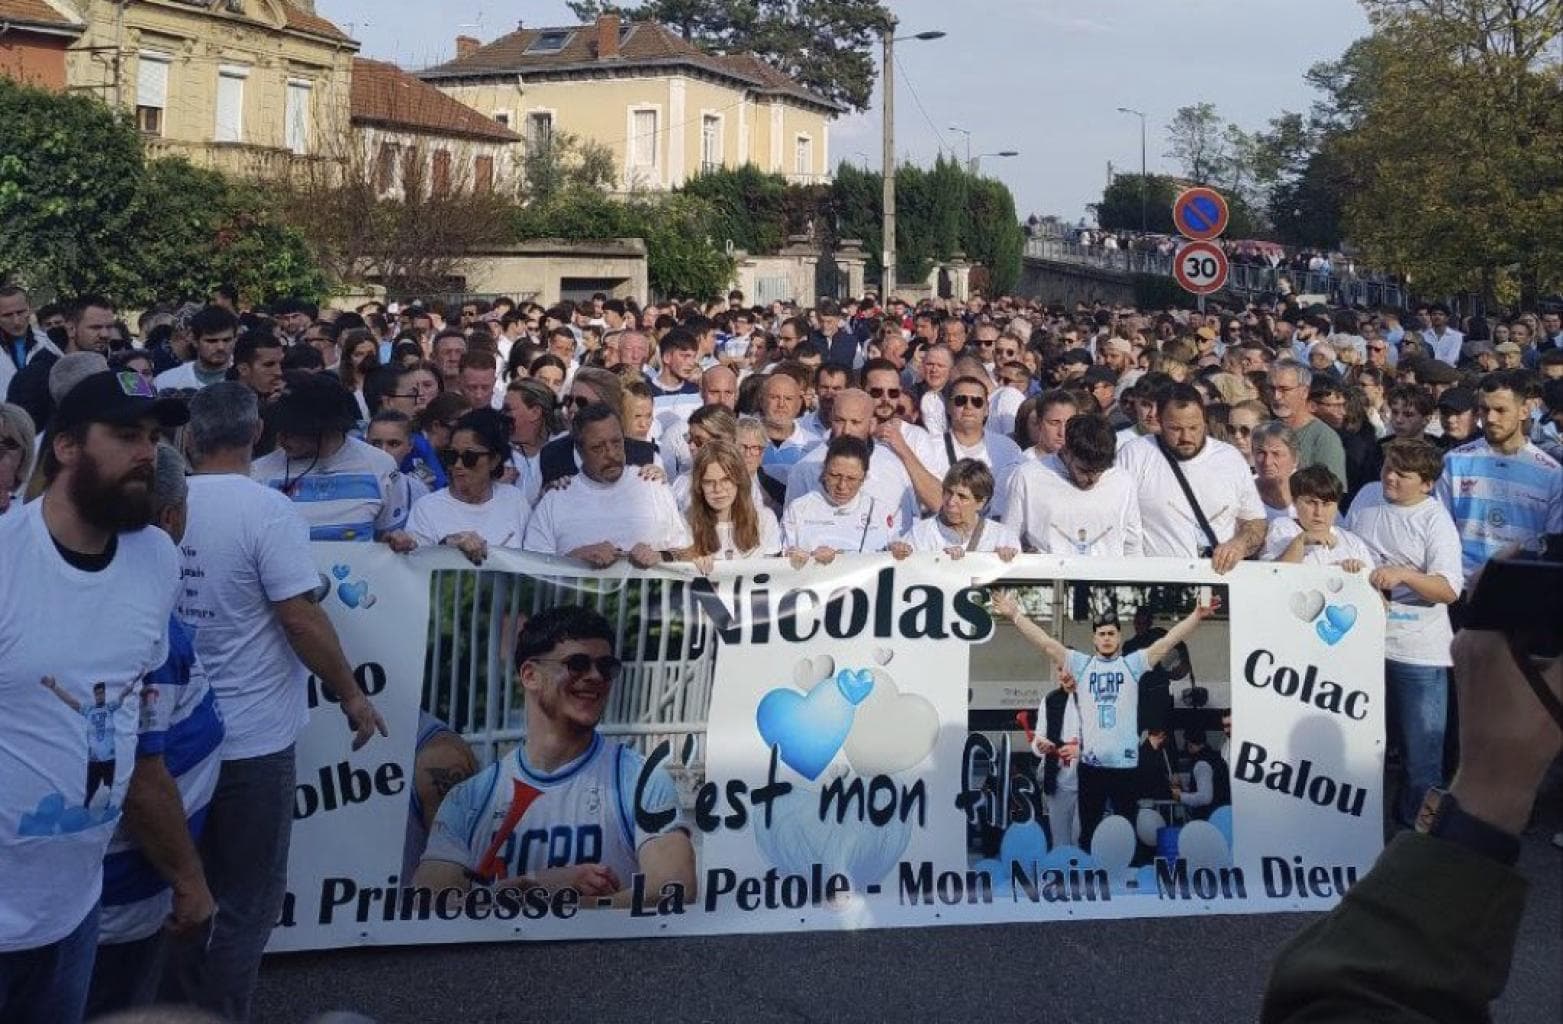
1188 493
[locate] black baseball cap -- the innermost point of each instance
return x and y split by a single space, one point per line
1457 400
116 397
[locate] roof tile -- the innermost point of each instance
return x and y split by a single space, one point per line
306 21
385 94
35 11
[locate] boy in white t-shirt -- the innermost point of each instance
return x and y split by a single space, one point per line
1417 548
1312 536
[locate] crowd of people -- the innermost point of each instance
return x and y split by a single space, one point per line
173 474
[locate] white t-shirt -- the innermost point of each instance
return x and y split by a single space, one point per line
246 547
997 452
183 376
1054 516
1273 514
1221 481
770 537
1423 537
864 524
1003 404
353 494
932 534
1348 546
887 482
66 755
501 520
627 512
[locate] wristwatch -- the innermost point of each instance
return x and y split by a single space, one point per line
1442 816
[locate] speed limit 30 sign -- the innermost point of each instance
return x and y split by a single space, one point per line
1201 268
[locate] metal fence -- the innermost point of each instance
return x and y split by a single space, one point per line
1245 279
664 692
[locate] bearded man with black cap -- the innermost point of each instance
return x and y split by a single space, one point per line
345 489
72 684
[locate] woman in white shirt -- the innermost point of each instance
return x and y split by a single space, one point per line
839 516
959 526
476 511
724 519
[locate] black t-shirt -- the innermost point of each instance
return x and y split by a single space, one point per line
88 562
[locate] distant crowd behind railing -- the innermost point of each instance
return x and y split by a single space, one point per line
1256 267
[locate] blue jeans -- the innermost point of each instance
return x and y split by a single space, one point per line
1418 700
48 985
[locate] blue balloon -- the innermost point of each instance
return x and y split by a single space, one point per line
1060 857
1221 817
1145 881
997 871
1024 843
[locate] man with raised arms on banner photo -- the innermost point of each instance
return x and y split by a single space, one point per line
1109 695
559 811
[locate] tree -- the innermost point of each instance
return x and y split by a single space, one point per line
1457 154
1199 143
562 161
1119 209
825 45
407 215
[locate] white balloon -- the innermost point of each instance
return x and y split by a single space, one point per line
1147 824
797 839
1112 844
1201 845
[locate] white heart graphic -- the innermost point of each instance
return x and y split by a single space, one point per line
1334 584
893 731
809 671
1307 606
883 655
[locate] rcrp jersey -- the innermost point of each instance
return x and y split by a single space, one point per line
352 494
1109 690
581 813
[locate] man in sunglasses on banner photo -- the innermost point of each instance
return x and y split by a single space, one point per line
560 810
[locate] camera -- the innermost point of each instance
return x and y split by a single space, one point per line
1523 594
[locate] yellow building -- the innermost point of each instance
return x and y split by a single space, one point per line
244 86
665 108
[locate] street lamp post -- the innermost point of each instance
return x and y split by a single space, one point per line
963 131
975 164
887 78
1144 184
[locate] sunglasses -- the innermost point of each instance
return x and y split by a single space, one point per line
884 392
579 664
968 401
580 401
469 458
10 444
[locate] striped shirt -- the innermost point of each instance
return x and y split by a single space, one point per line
181 723
1500 500
352 494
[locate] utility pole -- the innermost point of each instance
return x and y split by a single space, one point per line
1144 183
887 82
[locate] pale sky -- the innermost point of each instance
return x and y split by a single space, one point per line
1044 77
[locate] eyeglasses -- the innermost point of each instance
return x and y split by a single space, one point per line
469 458
968 401
884 392
414 395
984 342
579 664
580 401
10 444
1242 431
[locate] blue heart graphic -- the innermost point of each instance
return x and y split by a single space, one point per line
1328 633
808 730
1342 616
353 594
340 571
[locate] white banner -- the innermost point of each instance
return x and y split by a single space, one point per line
850 747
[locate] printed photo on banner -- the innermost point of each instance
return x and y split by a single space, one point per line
1100 726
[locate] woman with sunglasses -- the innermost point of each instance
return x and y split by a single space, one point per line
476 511
724 519
17 435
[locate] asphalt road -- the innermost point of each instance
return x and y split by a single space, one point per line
1200 971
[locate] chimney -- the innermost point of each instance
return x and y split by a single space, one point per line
466 46
607 36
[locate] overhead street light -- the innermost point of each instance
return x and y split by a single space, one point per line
1144 183
975 163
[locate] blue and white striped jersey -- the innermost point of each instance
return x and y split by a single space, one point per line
1500 500
581 813
180 721
352 494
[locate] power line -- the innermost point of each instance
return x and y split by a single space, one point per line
938 140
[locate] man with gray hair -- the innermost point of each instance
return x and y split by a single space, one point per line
249 586
1317 442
